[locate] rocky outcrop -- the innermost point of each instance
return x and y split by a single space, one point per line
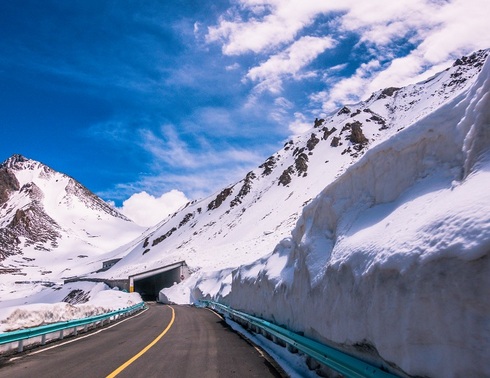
285 177
220 198
301 164
312 142
344 110
357 136
244 190
8 184
268 166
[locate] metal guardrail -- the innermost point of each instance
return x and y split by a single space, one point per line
335 359
42 331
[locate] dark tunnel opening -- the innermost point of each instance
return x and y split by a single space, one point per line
149 287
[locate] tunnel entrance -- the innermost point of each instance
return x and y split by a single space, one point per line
148 284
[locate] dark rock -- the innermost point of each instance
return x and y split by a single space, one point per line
312 142
298 151
220 199
318 122
357 112
388 92
301 164
344 110
244 190
357 135
163 237
285 177
268 166
186 219
327 132
8 184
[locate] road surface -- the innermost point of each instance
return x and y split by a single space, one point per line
164 341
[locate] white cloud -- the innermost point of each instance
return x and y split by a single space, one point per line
147 210
349 89
232 67
171 150
301 124
277 23
430 33
289 62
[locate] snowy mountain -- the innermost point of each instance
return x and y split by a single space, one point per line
51 226
370 232
246 220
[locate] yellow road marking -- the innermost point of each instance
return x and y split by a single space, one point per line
144 350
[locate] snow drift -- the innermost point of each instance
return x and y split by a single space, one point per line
72 301
394 255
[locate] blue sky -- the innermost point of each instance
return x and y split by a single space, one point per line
164 101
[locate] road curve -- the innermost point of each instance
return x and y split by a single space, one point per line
164 341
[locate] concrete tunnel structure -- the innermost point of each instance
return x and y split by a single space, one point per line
149 283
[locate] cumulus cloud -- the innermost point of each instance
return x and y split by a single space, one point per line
147 210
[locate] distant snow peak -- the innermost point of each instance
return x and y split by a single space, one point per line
42 210
14 162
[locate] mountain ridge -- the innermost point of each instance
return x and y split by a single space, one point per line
44 211
274 193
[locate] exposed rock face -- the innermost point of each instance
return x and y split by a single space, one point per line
344 110
388 92
31 223
327 132
221 197
301 164
335 142
312 142
318 122
268 166
163 237
8 184
245 189
285 177
356 133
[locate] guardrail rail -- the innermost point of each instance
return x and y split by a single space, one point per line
73 325
335 359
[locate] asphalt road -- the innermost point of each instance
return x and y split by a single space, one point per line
164 341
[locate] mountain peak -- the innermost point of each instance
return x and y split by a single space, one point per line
14 161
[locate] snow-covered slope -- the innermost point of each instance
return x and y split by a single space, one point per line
393 257
244 221
51 226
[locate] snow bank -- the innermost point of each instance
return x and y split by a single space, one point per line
394 254
101 300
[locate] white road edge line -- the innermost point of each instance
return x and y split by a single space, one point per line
215 313
76 339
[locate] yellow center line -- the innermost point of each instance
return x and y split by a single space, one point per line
144 350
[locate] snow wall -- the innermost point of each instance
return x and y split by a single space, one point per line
394 256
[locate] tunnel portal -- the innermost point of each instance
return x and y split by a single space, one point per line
148 284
